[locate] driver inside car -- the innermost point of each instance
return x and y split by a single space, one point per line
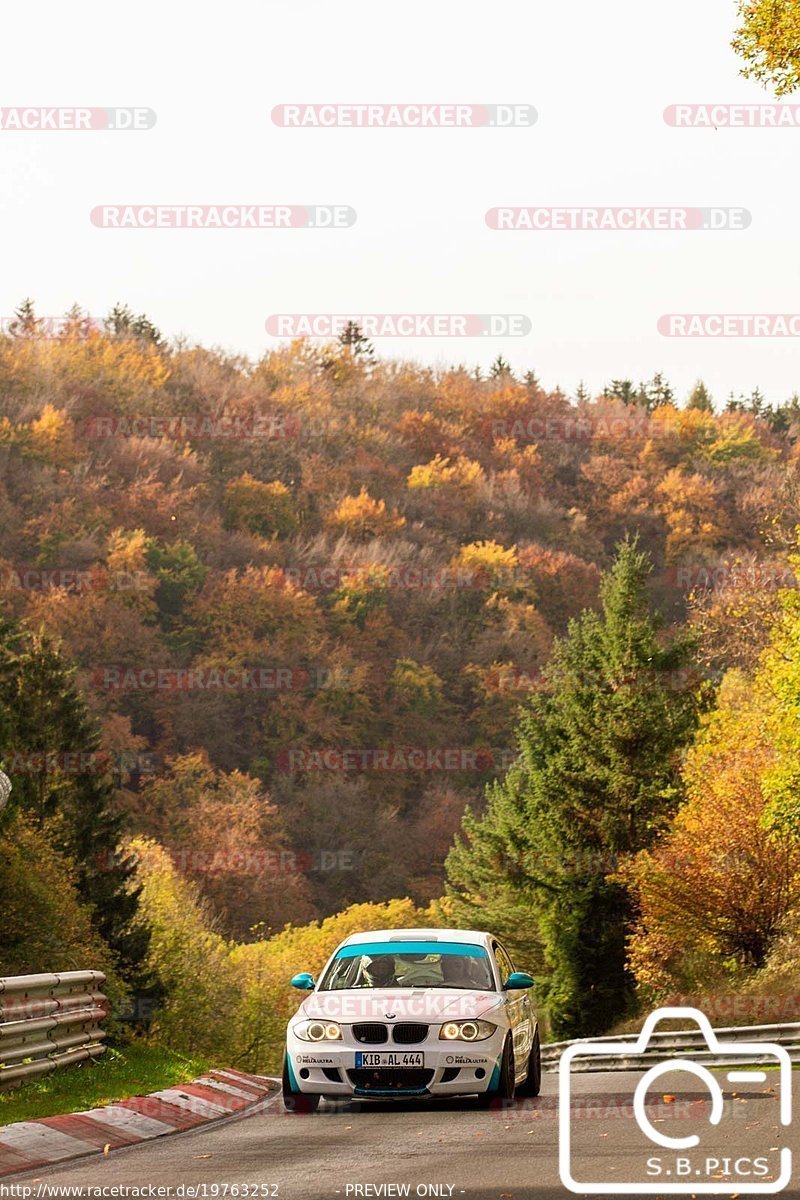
456 971
381 971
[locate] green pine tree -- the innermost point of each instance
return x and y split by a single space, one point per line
620 389
46 715
596 779
122 322
700 398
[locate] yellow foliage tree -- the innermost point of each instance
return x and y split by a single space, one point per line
52 437
187 956
768 41
690 505
716 890
264 508
442 472
44 926
488 559
363 517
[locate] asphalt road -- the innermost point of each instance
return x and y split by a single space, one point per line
505 1154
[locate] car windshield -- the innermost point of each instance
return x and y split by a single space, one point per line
418 964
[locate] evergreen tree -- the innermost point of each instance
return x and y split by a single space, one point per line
500 369
122 322
782 417
596 779
355 341
50 748
620 389
700 398
25 323
654 393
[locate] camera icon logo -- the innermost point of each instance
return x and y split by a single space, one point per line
684 1166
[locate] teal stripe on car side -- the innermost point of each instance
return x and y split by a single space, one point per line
292 1079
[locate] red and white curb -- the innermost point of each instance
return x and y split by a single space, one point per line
30 1144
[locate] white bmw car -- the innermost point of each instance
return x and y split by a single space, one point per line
413 1012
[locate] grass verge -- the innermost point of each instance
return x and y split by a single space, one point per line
131 1070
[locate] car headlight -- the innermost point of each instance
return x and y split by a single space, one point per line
466 1031
317 1031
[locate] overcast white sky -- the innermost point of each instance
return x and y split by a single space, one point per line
600 77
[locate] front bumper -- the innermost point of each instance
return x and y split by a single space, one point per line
449 1068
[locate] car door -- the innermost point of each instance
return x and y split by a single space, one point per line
518 1006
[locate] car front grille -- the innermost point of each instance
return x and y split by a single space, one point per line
370 1033
409 1032
390 1079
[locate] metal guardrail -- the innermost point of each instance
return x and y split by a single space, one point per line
677 1043
50 1021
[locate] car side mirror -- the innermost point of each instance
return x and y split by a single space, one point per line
518 981
304 981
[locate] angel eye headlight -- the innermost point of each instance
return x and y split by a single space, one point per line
318 1031
466 1031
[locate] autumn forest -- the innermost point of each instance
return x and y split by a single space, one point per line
329 633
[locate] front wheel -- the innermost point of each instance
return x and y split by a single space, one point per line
505 1087
532 1084
296 1102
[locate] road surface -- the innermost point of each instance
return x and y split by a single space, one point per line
447 1149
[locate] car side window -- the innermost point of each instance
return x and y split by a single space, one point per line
505 967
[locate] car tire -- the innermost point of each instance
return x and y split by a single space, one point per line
532 1085
505 1087
296 1102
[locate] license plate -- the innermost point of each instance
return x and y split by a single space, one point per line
383 1058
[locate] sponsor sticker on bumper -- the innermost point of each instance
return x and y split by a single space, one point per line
463 1060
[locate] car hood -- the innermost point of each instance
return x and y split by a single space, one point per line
406 1004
